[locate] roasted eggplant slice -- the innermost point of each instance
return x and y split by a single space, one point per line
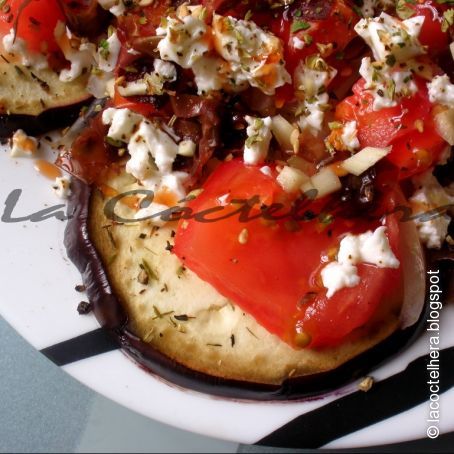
37 101
173 323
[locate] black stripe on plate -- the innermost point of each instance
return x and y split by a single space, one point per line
441 444
358 410
81 347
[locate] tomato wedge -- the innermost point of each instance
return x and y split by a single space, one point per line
409 127
432 34
270 270
36 24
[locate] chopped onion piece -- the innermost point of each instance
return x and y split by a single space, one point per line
364 159
285 133
291 179
451 46
325 182
444 122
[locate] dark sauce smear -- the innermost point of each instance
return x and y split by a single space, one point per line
111 315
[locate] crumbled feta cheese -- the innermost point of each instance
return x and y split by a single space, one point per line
150 83
441 91
108 52
388 36
152 151
165 70
122 123
101 84
312 78
255 56
134 88
116 7
62 187
336 276
23 145
298 43
428 198
369 247
258 140
386 85
208 74
266 170
149 139
184 41
79 52
349 136
17 47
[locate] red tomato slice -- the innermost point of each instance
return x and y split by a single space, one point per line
318 22
431 34
36 23
279 265
133 103
408 127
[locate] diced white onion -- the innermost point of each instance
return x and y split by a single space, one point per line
364 159
325 182
283 131
291 179
186 148
444 123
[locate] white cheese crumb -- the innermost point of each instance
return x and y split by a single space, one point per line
17 47
208 74
152 151
266 170
349 136
151 140
298 43
441 91
122 123
386 85
313 80
23 145
184 40
150 83
336 276
165 70
79 52
258 141
62 187
116 7
430 195
108 53
388 36
369 247
248 49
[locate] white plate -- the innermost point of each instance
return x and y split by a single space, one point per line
39 301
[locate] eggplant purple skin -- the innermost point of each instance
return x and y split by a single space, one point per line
111 315
54 118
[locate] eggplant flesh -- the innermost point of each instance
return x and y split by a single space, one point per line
36 100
